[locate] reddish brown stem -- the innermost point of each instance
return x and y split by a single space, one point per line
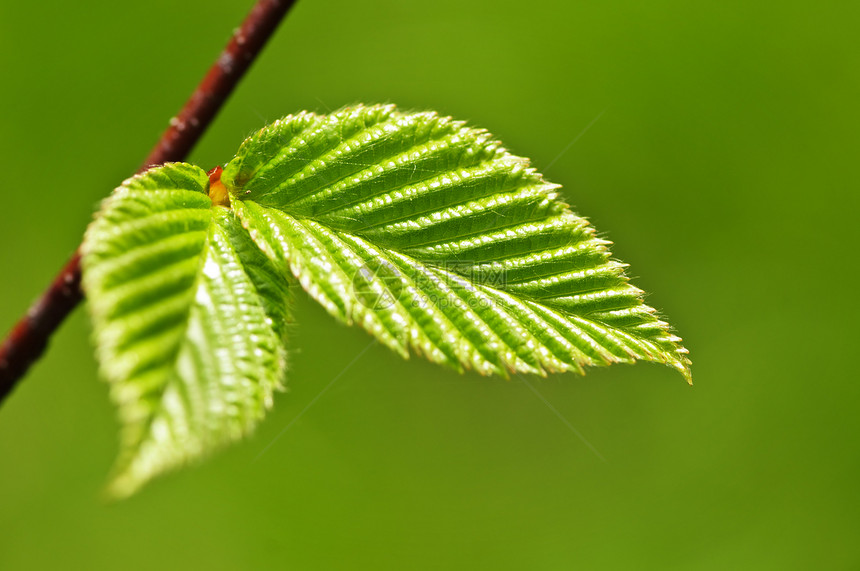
28 339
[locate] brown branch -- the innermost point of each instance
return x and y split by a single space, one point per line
28 339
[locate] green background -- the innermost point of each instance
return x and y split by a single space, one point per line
723 163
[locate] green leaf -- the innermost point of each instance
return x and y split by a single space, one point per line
436 240
189 320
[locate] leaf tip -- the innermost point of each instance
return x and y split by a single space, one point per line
682 365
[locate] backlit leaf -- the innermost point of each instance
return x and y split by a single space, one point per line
436 240
189 321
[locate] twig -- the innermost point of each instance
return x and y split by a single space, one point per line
28 339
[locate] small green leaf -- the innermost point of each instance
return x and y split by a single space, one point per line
189 320
435 239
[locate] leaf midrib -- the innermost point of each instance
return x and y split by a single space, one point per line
172 377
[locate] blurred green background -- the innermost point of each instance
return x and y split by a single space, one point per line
722 159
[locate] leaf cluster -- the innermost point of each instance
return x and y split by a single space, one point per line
423 231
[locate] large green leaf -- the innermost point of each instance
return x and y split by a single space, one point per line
189 321
435 239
